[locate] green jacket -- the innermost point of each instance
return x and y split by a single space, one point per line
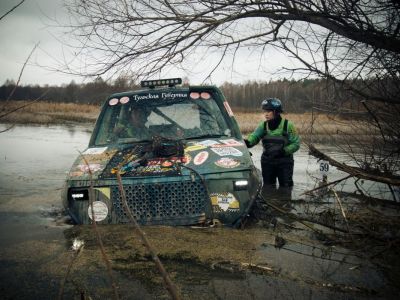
293 137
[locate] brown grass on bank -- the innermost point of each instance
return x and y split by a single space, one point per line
61 113
48 112
323 124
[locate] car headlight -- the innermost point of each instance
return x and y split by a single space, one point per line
239 185
79 195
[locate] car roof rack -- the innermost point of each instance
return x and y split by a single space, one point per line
171 82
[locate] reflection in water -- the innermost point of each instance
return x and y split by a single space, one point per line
36 158
71 130
274 193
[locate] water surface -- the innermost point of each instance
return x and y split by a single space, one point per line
34 244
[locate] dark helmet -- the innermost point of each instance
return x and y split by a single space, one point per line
272 104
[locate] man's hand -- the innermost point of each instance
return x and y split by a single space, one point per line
247 143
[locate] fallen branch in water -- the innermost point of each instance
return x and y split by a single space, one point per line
300 219
167 280
355 171
78 249
371 200
341 208
99 240
325 185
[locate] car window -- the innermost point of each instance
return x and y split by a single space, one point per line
181 119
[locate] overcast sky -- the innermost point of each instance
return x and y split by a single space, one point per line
26 26
29 24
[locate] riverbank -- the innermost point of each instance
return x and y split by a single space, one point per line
46 113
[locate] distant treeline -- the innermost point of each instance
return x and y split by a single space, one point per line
297 96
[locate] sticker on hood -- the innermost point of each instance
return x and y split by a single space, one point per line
200 158
227 162
231 142
194 148
225 151
207 143
224 202
92 167
97 150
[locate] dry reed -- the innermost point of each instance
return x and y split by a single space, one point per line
59 113
304 123
48 112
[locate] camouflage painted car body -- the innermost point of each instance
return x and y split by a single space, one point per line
199 173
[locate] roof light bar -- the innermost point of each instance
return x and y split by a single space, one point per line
161 82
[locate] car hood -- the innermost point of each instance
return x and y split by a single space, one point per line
204 156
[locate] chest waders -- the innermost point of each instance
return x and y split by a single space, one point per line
274 163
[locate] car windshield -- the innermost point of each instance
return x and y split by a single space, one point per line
179 115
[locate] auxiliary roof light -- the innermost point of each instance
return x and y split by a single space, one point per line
161 82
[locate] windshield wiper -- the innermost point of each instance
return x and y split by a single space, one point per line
132 140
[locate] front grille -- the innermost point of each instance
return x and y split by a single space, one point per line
173 203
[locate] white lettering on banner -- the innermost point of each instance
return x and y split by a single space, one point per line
169 95
174 95
145 97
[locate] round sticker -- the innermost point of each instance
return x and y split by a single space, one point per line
227 162
167 164
200 158
124 100
113 101
205 95
100 211
194 95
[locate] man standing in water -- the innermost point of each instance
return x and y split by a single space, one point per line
280 140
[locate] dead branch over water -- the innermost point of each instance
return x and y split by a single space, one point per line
355 171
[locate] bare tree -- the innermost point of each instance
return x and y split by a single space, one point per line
338 38
353 44
11 9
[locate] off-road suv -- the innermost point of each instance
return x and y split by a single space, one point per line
180 156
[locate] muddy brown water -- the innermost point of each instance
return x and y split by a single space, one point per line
204 263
